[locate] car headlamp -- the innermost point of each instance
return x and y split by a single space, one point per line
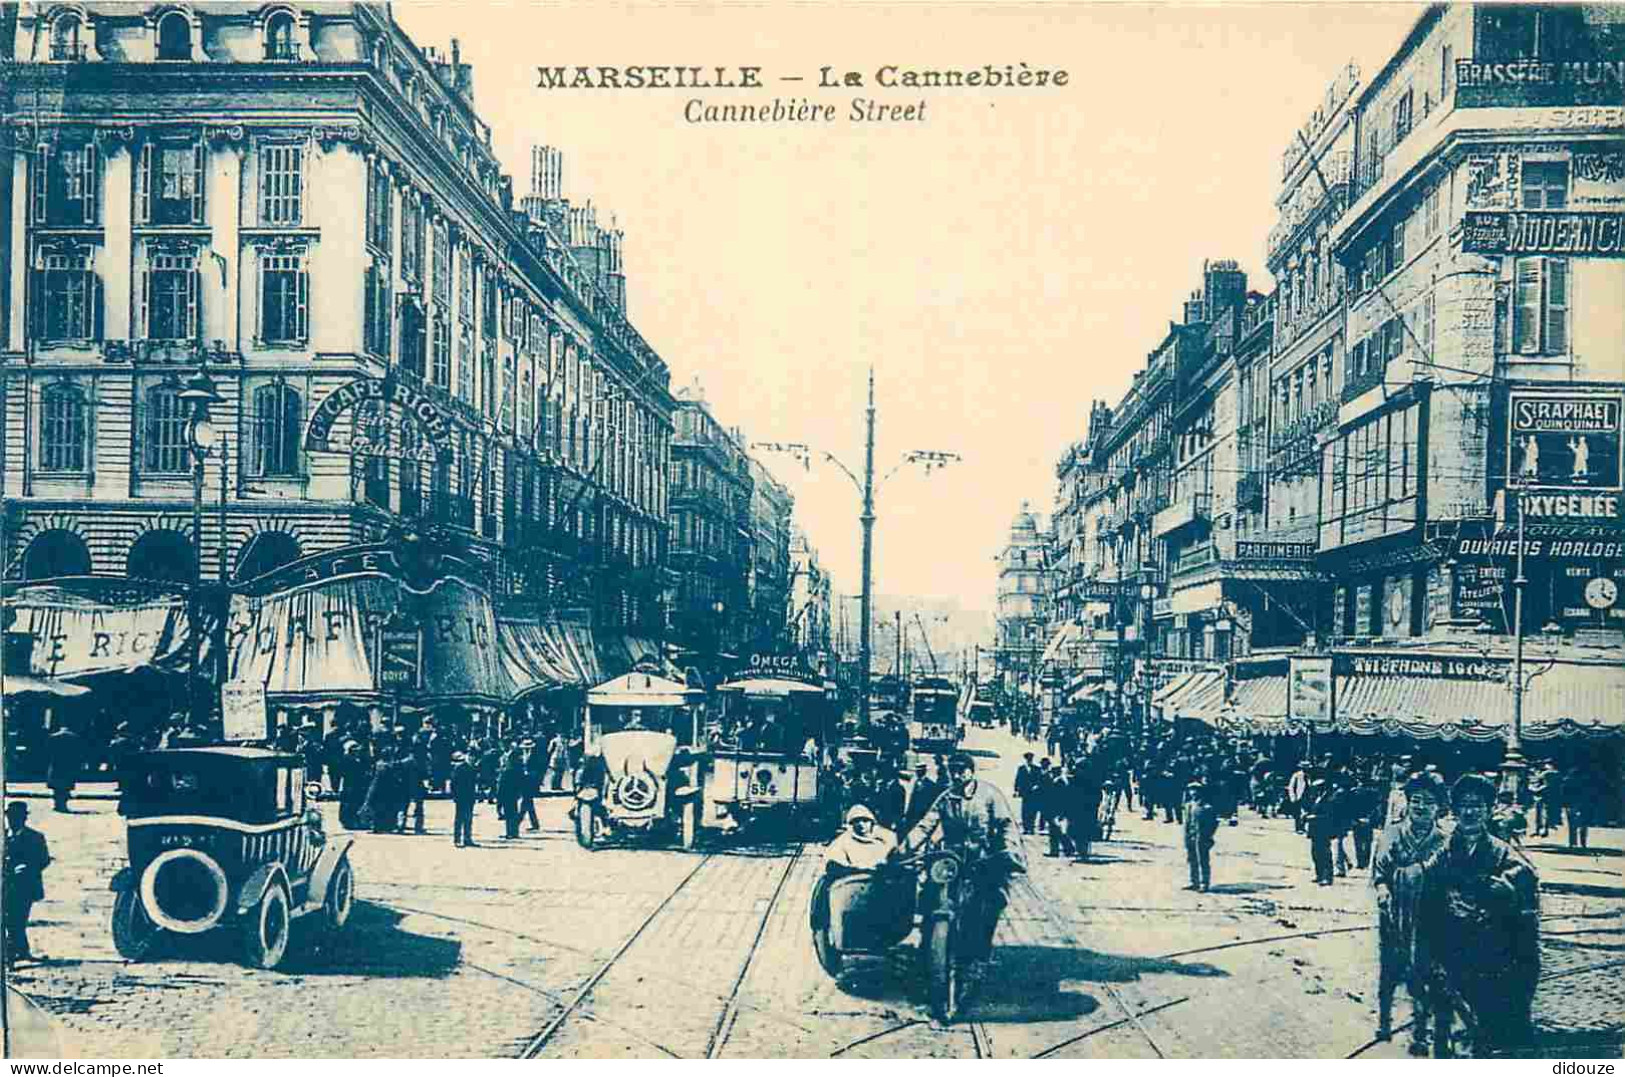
944 870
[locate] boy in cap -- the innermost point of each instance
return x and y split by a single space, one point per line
1201 824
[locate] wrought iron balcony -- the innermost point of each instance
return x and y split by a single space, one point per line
1359 384
68 51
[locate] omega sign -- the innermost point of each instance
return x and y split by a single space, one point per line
337 403
1563 450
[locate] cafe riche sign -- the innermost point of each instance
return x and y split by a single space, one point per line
387 391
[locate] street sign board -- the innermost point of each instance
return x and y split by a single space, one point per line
242 711
1309 688
400 658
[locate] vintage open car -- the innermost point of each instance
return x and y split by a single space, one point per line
767 761
226 837
640 771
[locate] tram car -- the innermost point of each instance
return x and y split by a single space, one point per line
933 716
229 839
765 766
641 772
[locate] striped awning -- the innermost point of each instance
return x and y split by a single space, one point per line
1166 691
1206 692
1189 688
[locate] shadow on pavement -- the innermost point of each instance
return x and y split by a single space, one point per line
1570 850
371 944
1246 888
1582 889
1025 984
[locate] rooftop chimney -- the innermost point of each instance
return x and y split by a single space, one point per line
1193 309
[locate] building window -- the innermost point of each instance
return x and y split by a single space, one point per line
174 37
278 418
284 298
65 43
282 185
442 264
411 239
465 286
62 428
465 364
442 349
1540 306
170 296
68 299
376 310
167 445
1545 184
279 42
380 208
169 184
67 186
413 337
1402 117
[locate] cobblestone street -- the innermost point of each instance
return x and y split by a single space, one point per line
539 947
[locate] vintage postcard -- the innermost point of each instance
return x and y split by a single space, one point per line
907 530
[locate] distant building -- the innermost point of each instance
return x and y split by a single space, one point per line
1023 603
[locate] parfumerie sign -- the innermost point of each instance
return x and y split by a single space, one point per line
1275 551
336 404
1551 232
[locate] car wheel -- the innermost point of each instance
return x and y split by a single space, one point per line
340 897
133 930
266 928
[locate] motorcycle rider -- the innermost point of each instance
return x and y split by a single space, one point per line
972 818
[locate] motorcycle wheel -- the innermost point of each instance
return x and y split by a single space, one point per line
586 825
942 980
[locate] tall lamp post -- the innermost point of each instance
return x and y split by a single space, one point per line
198 395
866 487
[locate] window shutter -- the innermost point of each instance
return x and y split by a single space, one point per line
36 304
143 185
144 315
40 182
197 183
98 305
1557 306
1526 306
301 320
90 186
193 328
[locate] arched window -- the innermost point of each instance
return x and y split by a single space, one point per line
174 37
55 553
166 438
266 552
278 416
62 428
65 40
279 42
161 555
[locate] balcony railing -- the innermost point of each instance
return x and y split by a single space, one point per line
68 51
1195 559
281 51
1305 426
1250 490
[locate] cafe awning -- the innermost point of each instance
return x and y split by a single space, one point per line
1204 690
1176 685
534 657
1256 706
1086 692
1063 635
1562 699
102 629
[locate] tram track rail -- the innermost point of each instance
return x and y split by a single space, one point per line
730 1009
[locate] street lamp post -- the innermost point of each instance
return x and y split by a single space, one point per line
199 394
1513 765
866 487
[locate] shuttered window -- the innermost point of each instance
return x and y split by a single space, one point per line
170 296
62 428
282 185
67 299
169 184
165 431
276 423
1545 184
284 299
1540 306
66 185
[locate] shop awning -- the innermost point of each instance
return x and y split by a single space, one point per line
1166 691
534 657
1062 636
1562 699
578 641
16 686
1204 691
1256 706
1086 692
320 640
77 634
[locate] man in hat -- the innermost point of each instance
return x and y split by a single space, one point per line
1396 880
863 846
922 792
531 766
510 791
66 757
1026 793
1319 813
27 857
354 770
1481 910
972 818
1297 789
464 782
1201 826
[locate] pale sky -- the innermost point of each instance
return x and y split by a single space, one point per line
1001 264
